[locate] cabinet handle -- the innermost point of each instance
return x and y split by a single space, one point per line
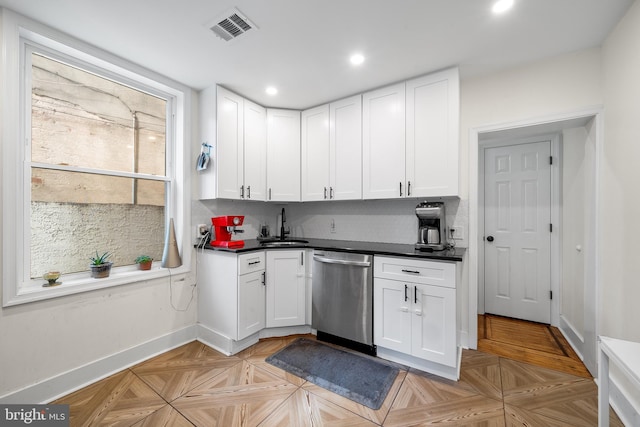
408 188
415 295
248 191
410 271
264 278
242 191
301 258
325 193
331 192
254 262
406 297
400 189
269 193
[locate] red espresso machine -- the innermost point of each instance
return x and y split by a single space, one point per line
224 227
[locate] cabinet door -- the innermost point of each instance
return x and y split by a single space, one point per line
255 151
285 288
283 155
251 304
383 143
432 134
391 315
433 324
229 146
315 154
345 174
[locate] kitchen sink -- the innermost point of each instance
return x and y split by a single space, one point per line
286 242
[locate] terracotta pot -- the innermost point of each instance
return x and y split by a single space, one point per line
101 271
146 265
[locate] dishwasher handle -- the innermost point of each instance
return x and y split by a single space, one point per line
341 261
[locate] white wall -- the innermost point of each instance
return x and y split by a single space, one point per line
42 340
620 204
577 180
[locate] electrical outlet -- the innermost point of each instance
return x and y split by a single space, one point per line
201 230
332 226
456 233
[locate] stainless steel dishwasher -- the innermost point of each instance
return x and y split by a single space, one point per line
342 299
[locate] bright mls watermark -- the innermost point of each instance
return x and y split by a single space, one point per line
34 415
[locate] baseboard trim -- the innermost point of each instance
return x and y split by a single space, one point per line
60 385
575 340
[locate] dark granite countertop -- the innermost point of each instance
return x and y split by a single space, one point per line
374 248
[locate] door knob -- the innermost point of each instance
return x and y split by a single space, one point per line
489 238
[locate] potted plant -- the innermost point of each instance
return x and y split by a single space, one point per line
144 262
100 267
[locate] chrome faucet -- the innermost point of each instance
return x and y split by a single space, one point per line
283 233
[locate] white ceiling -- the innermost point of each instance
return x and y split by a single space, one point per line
302 47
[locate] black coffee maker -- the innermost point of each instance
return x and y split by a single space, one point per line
432 231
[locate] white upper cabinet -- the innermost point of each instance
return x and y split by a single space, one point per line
229 145
432 134
255 151
315 154
283 155
345 142
238 166
332 151
383 143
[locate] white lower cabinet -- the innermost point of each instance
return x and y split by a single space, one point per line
286 288
415 311
231 295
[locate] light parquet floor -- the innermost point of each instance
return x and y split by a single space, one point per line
194 385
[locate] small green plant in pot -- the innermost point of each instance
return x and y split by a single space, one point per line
144 262
100 267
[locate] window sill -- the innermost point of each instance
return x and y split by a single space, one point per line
81 282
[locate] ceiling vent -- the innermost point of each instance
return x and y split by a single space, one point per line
231 25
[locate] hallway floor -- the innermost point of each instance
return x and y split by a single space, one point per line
195 385
535 343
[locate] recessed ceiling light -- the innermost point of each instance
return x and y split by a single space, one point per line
502 6
271 90
356 59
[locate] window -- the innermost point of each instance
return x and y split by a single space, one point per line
99 171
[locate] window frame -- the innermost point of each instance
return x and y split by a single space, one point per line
21 36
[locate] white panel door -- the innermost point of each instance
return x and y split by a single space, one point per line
283 155
229 159
345 175
286 293
383 143
434 324
255 151
315 154
391 315
517 231
251 304
432 134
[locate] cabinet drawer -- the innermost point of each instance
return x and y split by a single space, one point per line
439 273
248 263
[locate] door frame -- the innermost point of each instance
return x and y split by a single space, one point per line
594 287
555 261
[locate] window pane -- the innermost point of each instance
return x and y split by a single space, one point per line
81 119
73 215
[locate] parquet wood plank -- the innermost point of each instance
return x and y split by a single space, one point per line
119 400
243 395
304 409
164 417
175 372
